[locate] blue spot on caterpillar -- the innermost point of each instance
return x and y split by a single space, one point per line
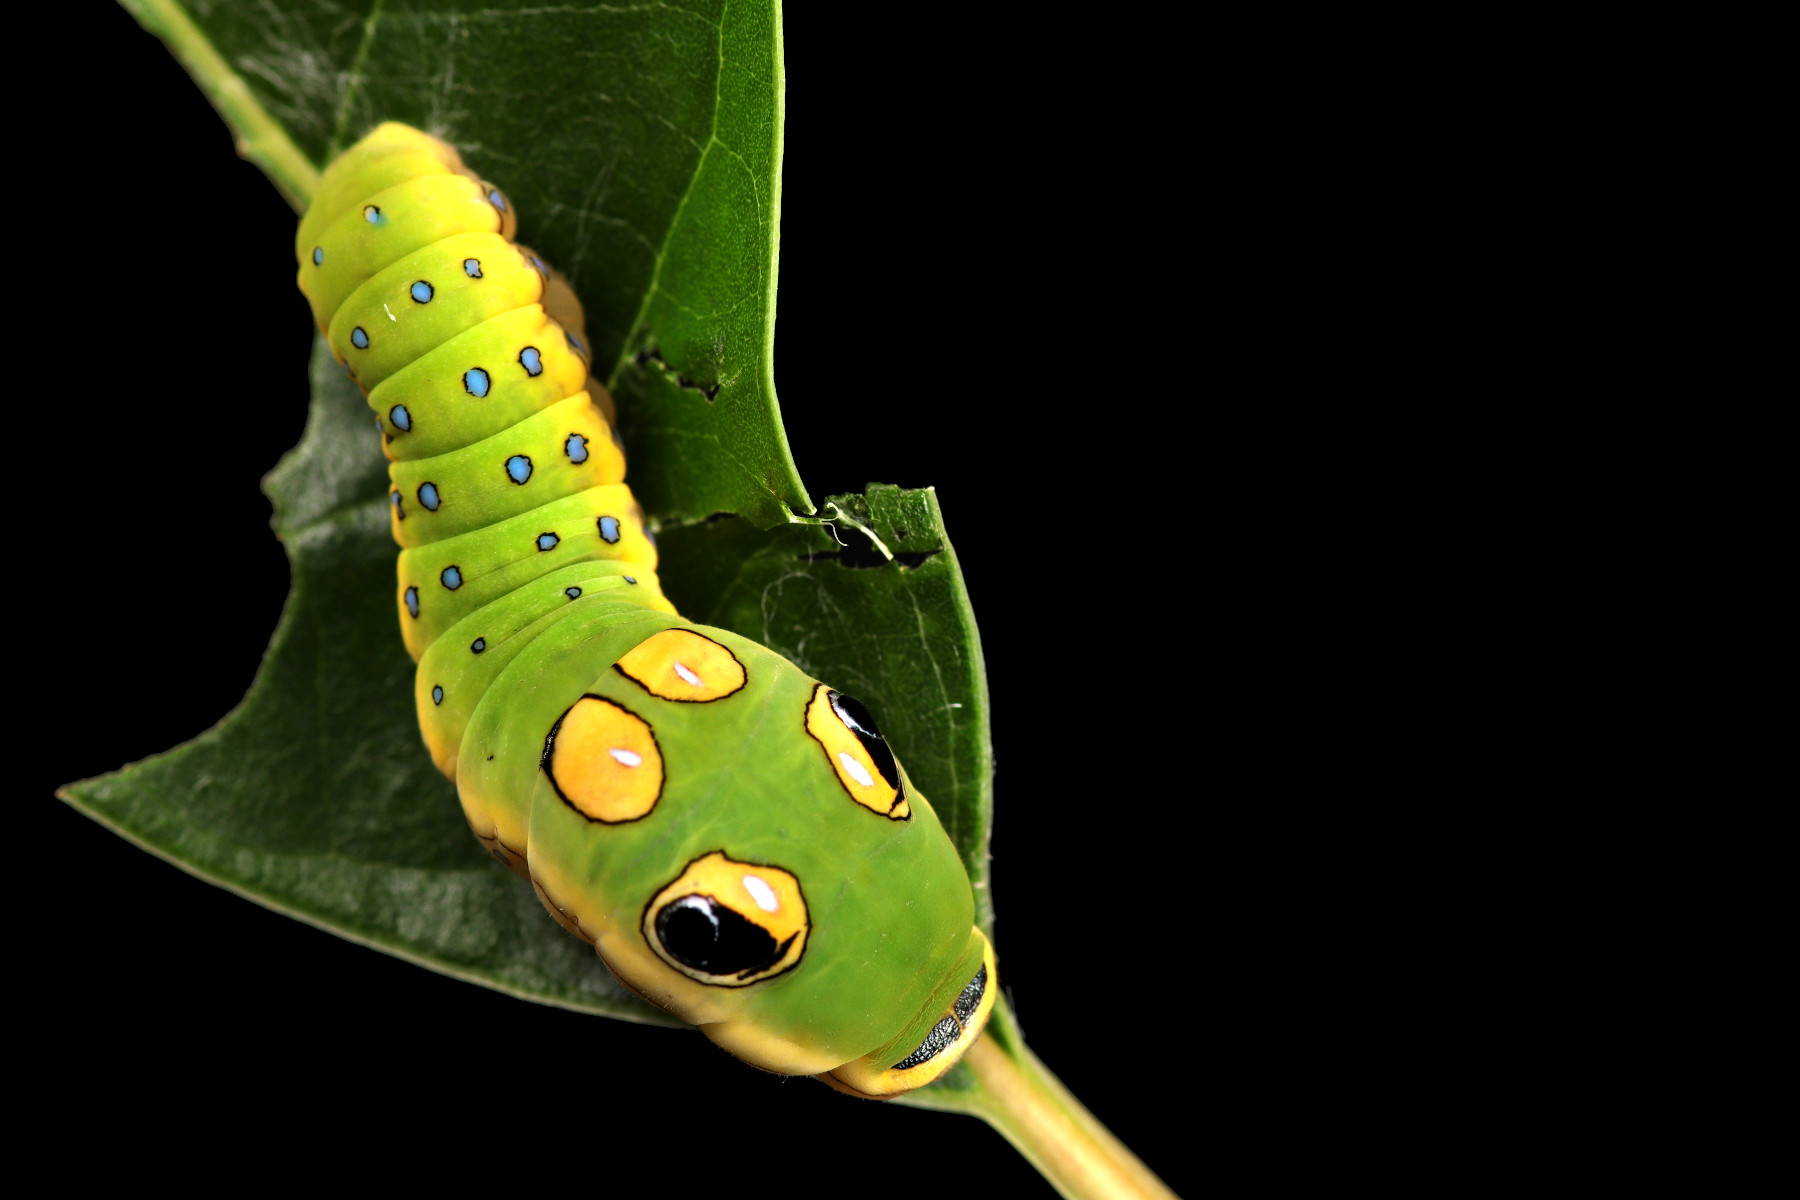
609 530
475 382
318 256
399 508
422 292
497 200
412 601
400 417
547 541
532 361
518 468
372 214
478 645
451 577
472 268
437 694
428 496
576 449
359 337
573 593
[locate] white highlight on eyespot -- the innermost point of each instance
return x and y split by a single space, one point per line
389 312
625 758
856 769
693 680
762 893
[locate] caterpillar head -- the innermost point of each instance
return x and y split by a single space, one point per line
745 849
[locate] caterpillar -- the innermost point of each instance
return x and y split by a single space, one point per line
737 840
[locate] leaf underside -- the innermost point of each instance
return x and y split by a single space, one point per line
642 147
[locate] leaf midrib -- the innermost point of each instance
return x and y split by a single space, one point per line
355 77
662 251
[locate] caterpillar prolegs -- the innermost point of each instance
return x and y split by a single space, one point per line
736 839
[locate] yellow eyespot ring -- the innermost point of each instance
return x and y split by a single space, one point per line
604 762
728 923
681 665
858 754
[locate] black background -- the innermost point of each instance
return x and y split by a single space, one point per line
960 239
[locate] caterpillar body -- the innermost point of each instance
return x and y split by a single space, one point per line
735 839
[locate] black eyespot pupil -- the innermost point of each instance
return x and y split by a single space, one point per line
854 714
701 933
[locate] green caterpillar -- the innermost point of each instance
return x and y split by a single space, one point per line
734 838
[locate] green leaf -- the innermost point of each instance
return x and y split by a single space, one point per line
315 797
658 193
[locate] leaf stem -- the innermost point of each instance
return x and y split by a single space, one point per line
1043 1120
260 138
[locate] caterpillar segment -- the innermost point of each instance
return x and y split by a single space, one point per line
736 839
